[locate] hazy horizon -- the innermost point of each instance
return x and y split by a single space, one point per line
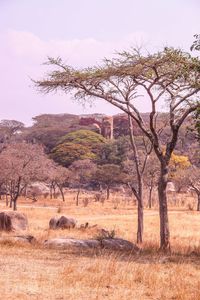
82 34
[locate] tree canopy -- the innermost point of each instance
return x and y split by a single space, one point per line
77 145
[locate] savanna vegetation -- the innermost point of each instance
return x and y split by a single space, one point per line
134 176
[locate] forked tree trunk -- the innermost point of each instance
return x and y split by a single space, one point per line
62 194
61 191
163 210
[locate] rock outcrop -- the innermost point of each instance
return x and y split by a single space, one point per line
114 244
72 243
12 220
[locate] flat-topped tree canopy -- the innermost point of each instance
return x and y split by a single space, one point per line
170 77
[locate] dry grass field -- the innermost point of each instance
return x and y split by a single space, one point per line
34 272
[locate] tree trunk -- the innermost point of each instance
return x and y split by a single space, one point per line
107 192
62 194
140 221
6 199
150 197
140 206
15 204
51 192
139 191
163 210
77 197
60 187
198 203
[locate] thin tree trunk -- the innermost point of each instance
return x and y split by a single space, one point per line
198 203
6 199
150 198
140 224
77 197
139 192
15 204
140 208
51 193
54 191
61 191
107 192
163 210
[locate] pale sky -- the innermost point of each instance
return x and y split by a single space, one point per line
82 32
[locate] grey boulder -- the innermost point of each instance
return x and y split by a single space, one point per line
12 220
62 223
70 242
116 244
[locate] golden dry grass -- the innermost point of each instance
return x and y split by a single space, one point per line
34 272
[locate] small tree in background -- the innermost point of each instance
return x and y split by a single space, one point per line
9 130
189 178
82 173
109 175
57 176
151 176
177 163
21 164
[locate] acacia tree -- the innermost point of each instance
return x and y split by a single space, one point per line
170 76
58 176
9 130
21 164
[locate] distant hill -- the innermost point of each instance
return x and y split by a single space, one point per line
49 128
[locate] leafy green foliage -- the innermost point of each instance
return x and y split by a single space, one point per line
77 145
110 174
83 137
114 151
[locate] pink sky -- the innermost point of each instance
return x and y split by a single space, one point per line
82 32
